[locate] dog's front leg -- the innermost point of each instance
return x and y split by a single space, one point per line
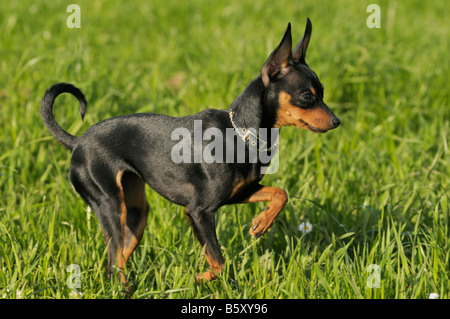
277 198
203 225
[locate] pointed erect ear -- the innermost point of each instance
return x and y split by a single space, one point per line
299 53
279 57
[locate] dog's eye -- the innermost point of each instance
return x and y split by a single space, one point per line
307 96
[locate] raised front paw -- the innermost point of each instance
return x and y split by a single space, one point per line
262 223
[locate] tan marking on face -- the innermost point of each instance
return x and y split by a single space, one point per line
312 90
316 119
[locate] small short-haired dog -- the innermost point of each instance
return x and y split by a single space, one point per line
114 159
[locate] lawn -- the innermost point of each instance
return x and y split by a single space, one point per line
375 192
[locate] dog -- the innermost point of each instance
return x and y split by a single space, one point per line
115 158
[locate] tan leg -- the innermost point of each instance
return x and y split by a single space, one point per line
133 217
277 198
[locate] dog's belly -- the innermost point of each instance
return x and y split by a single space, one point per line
174 187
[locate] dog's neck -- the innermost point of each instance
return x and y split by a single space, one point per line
249 108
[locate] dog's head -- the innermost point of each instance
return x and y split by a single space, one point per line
293 90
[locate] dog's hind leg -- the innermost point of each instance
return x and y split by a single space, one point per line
134 212
105 202
120 206
107 211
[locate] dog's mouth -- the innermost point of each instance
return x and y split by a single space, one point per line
312 128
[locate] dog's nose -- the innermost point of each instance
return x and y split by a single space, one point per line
336 121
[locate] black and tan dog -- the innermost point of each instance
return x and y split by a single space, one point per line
115 158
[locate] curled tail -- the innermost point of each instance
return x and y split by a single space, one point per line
66 139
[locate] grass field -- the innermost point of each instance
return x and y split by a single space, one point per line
376 190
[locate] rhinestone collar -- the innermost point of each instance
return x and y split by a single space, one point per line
245 133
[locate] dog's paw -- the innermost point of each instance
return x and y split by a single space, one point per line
206 276
262 223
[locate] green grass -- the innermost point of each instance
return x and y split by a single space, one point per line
376 190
